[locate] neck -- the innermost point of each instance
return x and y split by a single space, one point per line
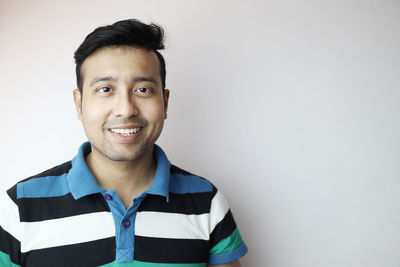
128 178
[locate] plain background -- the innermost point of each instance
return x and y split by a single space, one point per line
290 107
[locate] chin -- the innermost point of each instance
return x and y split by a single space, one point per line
123 157
116 154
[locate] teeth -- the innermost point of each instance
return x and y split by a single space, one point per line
126 132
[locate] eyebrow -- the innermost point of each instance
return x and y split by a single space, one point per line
112 79
102 79
145 79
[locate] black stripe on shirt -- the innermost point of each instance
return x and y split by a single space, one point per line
12 193
190 203
174 169
40 209
165 250
11 246
88 254
223 229
55 171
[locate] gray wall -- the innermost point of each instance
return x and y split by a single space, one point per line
290 107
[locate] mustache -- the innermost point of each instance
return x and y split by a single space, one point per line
125 121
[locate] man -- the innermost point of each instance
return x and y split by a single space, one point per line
119 202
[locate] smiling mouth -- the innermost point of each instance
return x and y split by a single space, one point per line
126 132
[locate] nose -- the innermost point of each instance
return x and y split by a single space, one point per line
125 106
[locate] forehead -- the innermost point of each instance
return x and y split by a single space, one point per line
120 62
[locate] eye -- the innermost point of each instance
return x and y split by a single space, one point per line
144 90
104 89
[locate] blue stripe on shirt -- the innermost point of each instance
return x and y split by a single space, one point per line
182 184
49 186
229 256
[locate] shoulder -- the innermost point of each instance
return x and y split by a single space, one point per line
54 171
183 182
45 183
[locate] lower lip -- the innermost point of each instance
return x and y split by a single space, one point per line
129 138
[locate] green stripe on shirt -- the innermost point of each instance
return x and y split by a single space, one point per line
5 260
228 244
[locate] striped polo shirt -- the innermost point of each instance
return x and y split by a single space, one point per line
62 217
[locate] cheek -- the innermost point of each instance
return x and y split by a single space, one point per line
93 115
154 111
157 114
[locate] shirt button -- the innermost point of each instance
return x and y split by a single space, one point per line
107 197
126 223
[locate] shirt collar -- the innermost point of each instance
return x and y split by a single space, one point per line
82 182
160 185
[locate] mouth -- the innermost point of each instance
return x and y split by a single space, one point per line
126 131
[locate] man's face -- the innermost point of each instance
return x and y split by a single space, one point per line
122 106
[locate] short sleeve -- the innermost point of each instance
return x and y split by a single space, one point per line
226 243
10 246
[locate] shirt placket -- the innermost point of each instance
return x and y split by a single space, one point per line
124 220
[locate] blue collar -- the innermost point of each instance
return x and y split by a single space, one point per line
82 182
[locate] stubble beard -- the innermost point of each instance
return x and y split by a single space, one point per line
131 152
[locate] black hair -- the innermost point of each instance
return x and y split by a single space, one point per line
129 32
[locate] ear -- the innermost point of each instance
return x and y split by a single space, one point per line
166 98
78 102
